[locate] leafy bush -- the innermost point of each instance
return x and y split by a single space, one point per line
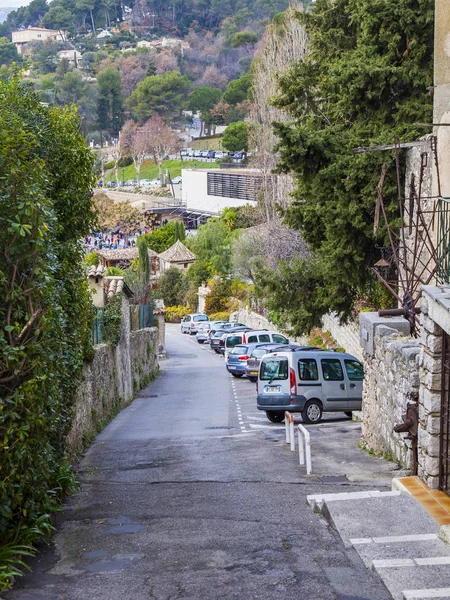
172 287
218 299
219 316
162 238
92 259
45 308
174 314
114 272
113 320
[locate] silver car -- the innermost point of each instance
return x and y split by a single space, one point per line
203 330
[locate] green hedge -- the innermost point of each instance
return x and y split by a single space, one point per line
45 309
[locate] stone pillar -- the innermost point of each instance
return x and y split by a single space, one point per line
430 362
160 323
441 109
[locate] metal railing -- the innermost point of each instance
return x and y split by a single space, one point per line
98 326
443 241
141 316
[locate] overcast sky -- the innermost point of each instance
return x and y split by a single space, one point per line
13 3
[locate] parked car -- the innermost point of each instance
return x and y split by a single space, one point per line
239 155
155 182
204 153
190 323
309 382
211 154
250 336
203 330
197 153
111 184
177 180
233 325
238 357
100 183
130 182
259 351
218 338
144 182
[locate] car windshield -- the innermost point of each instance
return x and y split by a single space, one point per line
274 369
239 350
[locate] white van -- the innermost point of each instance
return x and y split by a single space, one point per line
252 337
309 383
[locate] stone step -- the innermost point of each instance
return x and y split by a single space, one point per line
316 501
409 547
378 516
417 582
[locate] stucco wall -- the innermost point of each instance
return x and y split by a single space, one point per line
110 382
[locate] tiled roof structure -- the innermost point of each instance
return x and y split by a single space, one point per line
96 271
177 253
115 285
123 254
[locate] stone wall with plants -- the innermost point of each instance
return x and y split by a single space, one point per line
110 382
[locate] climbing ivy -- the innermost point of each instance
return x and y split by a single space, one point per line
46 177
113 320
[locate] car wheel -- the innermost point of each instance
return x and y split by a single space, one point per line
216 351
312 413
200 341
253 379
348 413
237 375
275 416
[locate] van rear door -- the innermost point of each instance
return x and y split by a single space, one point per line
273 380
355 374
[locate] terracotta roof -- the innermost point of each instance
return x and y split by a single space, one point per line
177 253
115 285
96 271
124 253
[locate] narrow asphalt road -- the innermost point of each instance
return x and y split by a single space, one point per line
190 494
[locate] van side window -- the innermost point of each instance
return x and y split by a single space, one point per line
279 339
274 369
355 371
332 369
252 339
264 337
307 369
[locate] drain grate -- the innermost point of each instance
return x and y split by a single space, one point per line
220 427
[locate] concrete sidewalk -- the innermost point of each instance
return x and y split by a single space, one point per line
392 532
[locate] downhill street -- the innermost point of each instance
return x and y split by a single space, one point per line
190 493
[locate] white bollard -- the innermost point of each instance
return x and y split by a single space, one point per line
292 434
304 452
286 426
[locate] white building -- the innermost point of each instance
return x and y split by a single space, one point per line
73 56
34 34
210 191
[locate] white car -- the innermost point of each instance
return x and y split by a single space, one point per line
190 323
203 330
176 180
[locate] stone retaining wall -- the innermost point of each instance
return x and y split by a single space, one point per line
391 374
346 335
110 382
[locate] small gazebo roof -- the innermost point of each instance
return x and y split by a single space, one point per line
178 253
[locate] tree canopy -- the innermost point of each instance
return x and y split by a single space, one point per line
365 81
235 137
164 95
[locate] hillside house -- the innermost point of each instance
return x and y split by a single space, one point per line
34 34
176 256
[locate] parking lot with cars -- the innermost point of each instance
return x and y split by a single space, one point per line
279 376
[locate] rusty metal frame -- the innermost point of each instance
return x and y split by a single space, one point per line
411 271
